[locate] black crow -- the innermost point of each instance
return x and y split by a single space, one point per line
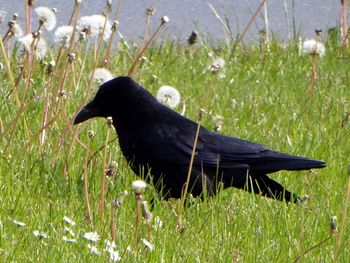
157 142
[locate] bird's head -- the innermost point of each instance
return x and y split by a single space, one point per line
119 97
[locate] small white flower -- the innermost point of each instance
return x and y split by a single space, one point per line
39 234
138 185
46 16
147 244
70 231
69 240
110 245
93 250
114 256
25 46
313 46
102 75
169 96
18 223
63 35
93 26
234 104
91 236
68 221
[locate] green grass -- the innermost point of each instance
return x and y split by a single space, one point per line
41 185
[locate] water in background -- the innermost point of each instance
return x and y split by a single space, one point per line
188 15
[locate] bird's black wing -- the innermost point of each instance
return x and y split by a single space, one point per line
173 144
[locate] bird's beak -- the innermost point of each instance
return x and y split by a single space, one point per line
86 113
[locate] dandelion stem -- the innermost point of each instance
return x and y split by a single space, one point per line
103 179
183 199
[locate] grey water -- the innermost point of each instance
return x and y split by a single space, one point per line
186 15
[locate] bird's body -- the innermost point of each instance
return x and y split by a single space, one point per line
157 142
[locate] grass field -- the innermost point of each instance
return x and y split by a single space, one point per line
41 169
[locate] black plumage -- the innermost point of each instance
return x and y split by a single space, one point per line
158 141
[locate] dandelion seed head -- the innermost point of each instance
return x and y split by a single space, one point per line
138 186
15 28
91 236
313 47
217 65
169 96
63 35
93 26
150 11
102 75
93 250
46 16
25 46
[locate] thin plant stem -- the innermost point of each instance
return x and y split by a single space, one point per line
250 22
183 199
313 78
132 69
103 179
343 218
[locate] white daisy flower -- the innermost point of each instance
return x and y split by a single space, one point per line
63 35
138 185
46 16
91 236
69 240
147 244
68 221
93 26
93 250
25 46
39 234
169 96
68 230
110 245
314 47
102 75
114 256
18 223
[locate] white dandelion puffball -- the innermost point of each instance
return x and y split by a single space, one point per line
102 75
91 236
313 46
46 16
40 234
93 26
25 46
16 29
169 96
63 35
138 185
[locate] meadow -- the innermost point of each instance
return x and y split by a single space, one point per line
259 92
